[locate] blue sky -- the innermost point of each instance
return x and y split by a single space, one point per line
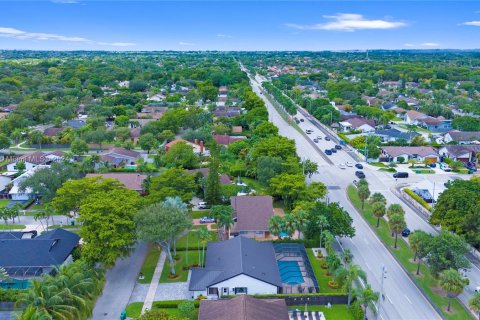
239 25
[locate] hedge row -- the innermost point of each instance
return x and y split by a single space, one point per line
417 198
10 294
172 303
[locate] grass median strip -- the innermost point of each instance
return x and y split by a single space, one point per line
404 255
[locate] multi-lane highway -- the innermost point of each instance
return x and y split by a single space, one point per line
402 299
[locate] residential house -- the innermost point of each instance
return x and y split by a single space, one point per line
140 122
5 180
439 124
389 105
463 137
23 195
24 257
372 101
251 216
413 117
223 90
391 135
225 139
198 147
362 124
236 266
52 132
243 307
224 179
463 153
75 124
419 154
227 112
120 156
31 160
237 129
135 134
131 180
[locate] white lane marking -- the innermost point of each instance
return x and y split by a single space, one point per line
368 266
391 302
365 239
407 299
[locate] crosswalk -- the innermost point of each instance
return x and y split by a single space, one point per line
309 315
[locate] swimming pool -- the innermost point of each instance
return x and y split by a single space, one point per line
290 272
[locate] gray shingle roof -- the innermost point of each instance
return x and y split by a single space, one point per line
394 133
51 248
240 255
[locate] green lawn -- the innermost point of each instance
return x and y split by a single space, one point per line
12 226
134 309
3 203
378 164
193 241
254 184
320 274
403 255
199 214
335 312
150 263
182 275
424 171
175 312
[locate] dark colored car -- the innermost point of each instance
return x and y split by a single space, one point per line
405 232
359 166
360 174
334 150
400 175
328 152
338 147
432 165
327 138
302 120
315 140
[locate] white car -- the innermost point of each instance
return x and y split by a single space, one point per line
342 166
203 205
349 164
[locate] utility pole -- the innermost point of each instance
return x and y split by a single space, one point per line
366 148
384 276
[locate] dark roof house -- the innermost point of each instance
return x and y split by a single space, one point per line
29 257
243 307
51 132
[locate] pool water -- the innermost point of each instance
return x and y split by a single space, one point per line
290 272
131 167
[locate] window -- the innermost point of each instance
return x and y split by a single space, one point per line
241 290
225 291
213 291
259 232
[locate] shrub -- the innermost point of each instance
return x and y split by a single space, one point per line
417 198
332 284
187 308
171 304
401 159
10 294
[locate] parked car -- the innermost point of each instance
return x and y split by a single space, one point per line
309 131
203 205
445 167
315 140
405 232
334 150
360 174
338 147
328 152
302 120
358 166
432 165
349 164
319 138
342 166
207 220
400 175
327 138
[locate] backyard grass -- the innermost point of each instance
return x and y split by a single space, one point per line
193 240
134 309
176 313
403 254
322 279
3 203
335 312
378 164
197 214
150 263
181 275
254 184
12 226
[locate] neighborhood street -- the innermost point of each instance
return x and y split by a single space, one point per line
402 298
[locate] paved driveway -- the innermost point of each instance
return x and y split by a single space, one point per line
172 291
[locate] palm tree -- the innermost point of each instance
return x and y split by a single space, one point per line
225 221
347 257
397 224
474 303
333 263
290 224
301 221
347 276
395 208
3 274
378 197
378 210
275 225
452 282
363 193
204 236
322 223
328 237
366 297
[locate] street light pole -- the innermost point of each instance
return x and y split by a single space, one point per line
384 273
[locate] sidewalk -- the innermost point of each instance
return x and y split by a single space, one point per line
147 305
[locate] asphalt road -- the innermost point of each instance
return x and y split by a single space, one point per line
402 299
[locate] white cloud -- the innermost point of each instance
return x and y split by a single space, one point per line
7 32
422 45
222 35
182 43
472 23
349 22
430 44
409 45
